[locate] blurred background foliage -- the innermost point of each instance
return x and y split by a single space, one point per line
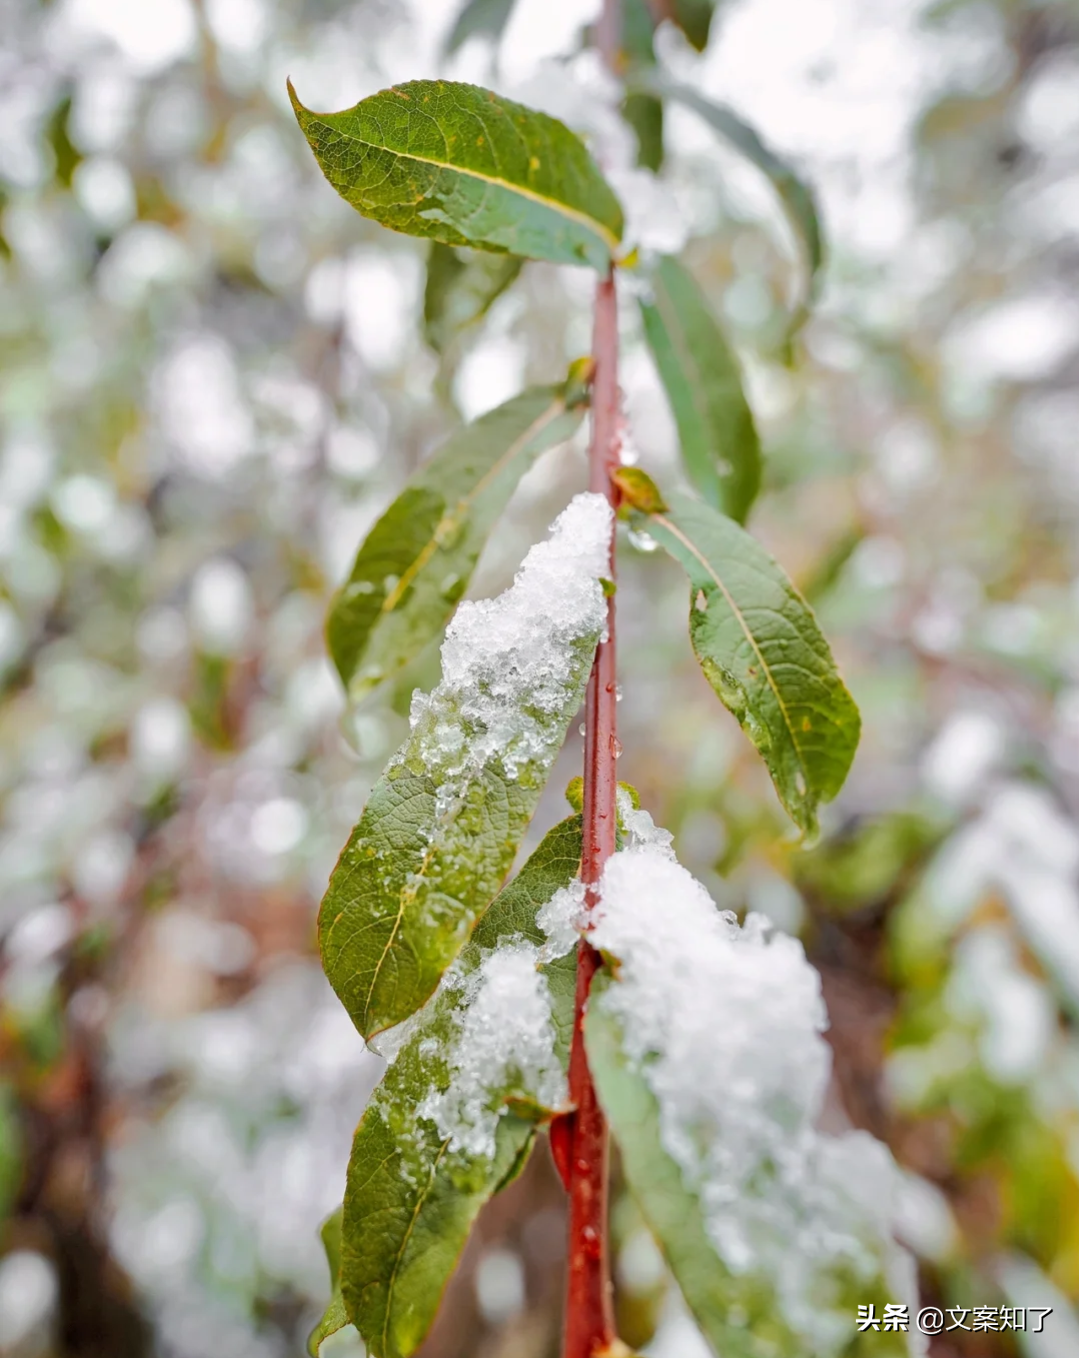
214 376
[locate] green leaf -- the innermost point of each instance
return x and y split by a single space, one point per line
58 136
335 1317
11 1150
644 113
412 1196
417 560
703 383
479 18
694 18
410 1202
795 195
462 286
760 648
639 18
461 165
740 1314
443 822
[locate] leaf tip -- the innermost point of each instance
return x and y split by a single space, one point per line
575 793
302 113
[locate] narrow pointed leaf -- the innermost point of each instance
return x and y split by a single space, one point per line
700 373
740 1313
694 18
762 651
335 1317
461 289
479 18
413 1195
461 165
643 112
442 825
794 193
417 560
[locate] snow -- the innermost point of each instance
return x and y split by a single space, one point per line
513 669
562 918
510 665
505 1043
725 1023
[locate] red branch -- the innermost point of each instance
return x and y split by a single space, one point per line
589 1327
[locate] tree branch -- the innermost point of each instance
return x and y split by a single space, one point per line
589 1324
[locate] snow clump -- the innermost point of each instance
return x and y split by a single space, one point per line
724 1022
512 665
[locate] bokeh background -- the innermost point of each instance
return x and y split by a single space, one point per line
214 377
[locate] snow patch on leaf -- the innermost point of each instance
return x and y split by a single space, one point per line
562 919
724 1023
504 1049
510 664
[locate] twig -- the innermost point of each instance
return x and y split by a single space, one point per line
589 1323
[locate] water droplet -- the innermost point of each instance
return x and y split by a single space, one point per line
618 694
701 602
800 783
642 541
616 747
390 583
582 729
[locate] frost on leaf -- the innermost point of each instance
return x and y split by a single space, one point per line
723 1025
443 823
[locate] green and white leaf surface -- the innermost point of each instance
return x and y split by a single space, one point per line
417 560
762 651
443 823
453 1118
703 382
706 1048
461 165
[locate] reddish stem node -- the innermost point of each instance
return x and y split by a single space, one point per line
589 1321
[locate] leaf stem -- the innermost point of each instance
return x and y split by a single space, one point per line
589 1321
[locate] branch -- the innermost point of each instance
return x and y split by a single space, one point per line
589 1326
